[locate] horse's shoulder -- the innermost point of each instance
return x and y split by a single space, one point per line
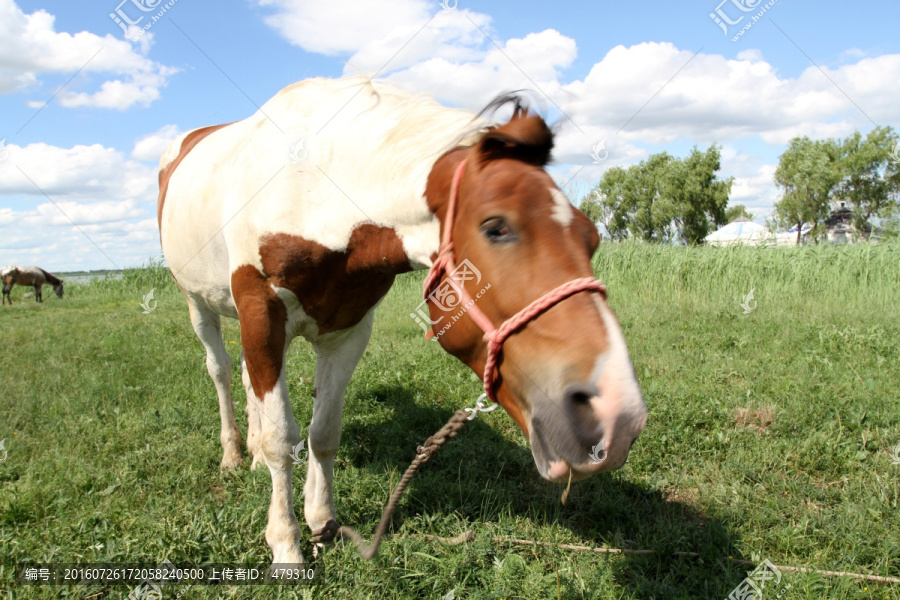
336 288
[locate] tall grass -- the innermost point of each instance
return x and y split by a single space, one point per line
153 274
844 275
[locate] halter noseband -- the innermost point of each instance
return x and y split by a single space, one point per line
493 336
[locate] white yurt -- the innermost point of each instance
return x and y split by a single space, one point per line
789 237
741 231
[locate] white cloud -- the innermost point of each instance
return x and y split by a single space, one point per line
92 171
32 47
126 235
716 99
853 54
342 26
151 146
754 184
67 212
454 36
756 190
536 60
94 195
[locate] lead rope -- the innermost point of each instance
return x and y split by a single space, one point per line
423 453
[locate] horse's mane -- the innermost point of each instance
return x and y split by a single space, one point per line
52 279
526 136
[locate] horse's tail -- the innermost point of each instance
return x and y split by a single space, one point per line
51 279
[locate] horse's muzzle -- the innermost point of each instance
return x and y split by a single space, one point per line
587 432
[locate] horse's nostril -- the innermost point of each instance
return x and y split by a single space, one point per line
580 393
579 398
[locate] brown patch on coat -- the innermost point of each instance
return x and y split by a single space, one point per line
336 289
263 317
187 144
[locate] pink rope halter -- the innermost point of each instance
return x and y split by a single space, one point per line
493 336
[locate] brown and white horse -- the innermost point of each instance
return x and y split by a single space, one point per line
309 245
33 276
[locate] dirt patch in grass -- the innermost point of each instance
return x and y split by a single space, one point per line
758 419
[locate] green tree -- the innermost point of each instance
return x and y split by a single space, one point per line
615 199
663 198
737 211
650 202
593 209
699 197
871 178
808 172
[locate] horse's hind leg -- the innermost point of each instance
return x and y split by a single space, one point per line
208 327
337 357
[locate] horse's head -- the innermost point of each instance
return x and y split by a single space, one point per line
58 288
564 375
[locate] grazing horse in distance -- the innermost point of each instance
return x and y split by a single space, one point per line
308 243
33 276
7 270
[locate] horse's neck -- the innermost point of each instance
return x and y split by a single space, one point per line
435 199
421 238
412 222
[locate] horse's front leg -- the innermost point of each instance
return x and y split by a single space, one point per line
264 339
337 356
37 293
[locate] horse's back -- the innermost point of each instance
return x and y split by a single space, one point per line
29 275
317 161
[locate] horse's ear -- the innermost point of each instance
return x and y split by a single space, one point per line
525 137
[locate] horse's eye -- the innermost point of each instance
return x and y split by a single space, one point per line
496 229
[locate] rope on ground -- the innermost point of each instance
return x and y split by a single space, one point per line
423 453
468 536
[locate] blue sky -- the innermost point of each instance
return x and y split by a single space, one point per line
78 175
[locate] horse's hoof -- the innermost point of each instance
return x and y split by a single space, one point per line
231 462
288 559
327 534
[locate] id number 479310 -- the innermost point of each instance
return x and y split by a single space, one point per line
293 574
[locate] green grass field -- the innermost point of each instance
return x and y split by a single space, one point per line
769 437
